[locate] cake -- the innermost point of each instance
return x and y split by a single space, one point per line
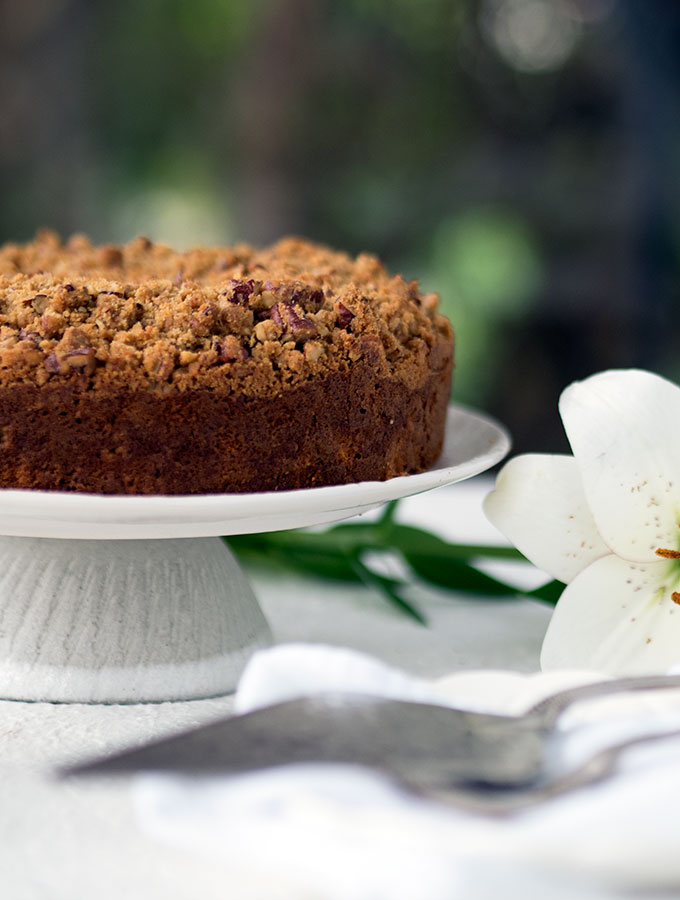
143 370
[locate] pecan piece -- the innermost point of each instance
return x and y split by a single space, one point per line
38 303
81 359
230 349
314 298
292 322
241 290
159 361
53 364
52 323
32 336
345 315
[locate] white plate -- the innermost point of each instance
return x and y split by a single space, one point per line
473 443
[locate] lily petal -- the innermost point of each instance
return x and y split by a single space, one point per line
616 617
624 429
539 505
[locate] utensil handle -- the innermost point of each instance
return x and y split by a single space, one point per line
551 708
500 803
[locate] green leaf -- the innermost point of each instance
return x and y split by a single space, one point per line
548 593
408 538
333 566
457 576
385 586
336 553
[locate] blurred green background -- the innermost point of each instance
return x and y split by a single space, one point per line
520 157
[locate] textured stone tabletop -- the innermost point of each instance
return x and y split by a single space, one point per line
80 839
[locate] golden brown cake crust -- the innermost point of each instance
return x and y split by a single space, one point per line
140 369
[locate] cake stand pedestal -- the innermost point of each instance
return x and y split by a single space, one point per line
120 599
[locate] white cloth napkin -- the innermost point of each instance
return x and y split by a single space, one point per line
338 832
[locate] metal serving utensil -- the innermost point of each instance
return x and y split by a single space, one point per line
498 801
392 735
433 749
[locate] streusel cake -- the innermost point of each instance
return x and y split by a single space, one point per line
143 370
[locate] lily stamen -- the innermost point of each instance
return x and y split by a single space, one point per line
668 554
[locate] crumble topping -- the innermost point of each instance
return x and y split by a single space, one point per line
214 316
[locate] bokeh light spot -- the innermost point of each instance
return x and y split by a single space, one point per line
530 35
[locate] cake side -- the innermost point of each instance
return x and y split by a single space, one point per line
343 428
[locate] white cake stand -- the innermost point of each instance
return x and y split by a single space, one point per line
116 599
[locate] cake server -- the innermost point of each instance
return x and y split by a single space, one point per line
422 744
396 736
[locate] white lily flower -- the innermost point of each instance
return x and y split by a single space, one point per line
607 522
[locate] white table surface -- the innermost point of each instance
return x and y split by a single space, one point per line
80 839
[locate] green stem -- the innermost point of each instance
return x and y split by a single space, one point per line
384 587
336 554
388 513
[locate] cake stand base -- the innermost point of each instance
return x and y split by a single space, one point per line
121 621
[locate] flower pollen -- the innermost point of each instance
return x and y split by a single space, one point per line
675 597
667 554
